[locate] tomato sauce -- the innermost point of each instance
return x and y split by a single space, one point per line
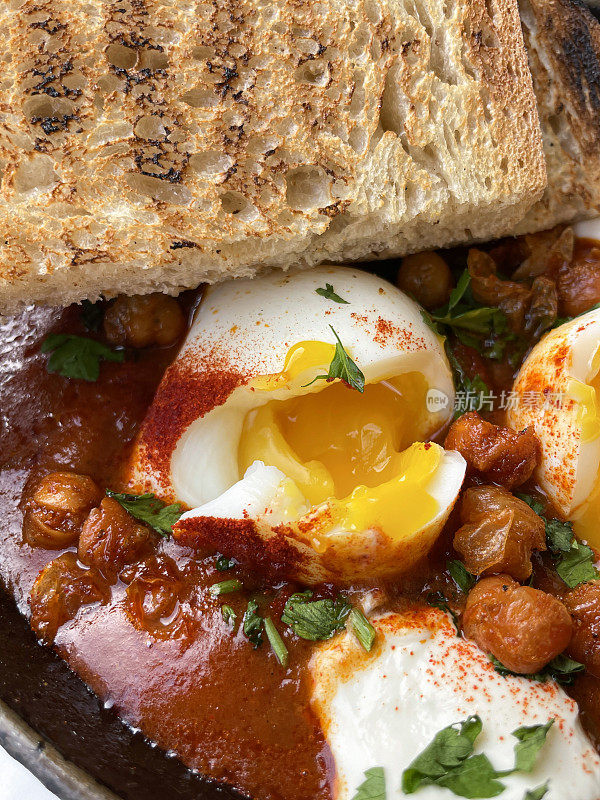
197 689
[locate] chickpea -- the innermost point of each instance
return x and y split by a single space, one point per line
58 508
426 277
153 592
112 538
499 532
522 627
62 587
144 320
579 285
583 603
499 453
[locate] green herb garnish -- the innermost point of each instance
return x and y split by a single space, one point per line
315 620
150 510
77 356
559 535
449 761
342 367
373 787
485 328
461 576
91 315
330 294
561 669
538 793
573 560
225 587
252 624
531 739
577 566
438 600
363 630
470 393
223 563
276 642
229 615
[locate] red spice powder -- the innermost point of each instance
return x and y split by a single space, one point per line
188 391
273 556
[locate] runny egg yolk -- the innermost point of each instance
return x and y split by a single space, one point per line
349 449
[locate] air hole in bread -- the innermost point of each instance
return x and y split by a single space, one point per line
373 11
121 56
308 188
360 42
239 206
160 190
202 52
150 127
211 162
393 103
358 139
39 106
153 60
420 14
200 97
314 72
33 173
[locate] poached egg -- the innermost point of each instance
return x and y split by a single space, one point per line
286 467
382 709
557 394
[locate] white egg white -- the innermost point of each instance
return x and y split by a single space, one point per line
550 395
381 709
588 229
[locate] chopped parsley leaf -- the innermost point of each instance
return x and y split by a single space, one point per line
373 787
538 793
577 566
150 510
77 356
448 761
315 620
329 293
342 367
252 624
470 392
461 576
531 739
574 561
229 615
223 563
485 328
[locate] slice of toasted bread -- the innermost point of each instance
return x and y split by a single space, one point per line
150 145
563 42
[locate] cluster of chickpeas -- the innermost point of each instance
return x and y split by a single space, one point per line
68 510
525 628
65 510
